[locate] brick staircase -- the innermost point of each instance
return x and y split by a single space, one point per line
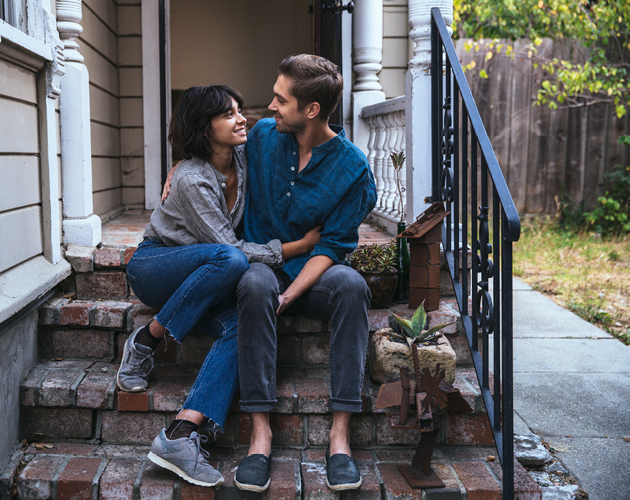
88 440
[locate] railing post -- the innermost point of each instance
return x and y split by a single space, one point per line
80 225
367 55
418 110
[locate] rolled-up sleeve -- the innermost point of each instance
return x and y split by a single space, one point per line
208 224
340 235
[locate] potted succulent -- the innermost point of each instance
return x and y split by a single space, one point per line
407 343
377 264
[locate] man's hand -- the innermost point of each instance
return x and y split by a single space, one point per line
310 273
284 303
169 180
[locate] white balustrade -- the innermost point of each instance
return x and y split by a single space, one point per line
403 124
386 123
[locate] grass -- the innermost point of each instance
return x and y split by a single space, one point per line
580 271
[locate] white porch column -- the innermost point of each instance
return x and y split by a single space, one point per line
48 89
367 51
80 225
418 103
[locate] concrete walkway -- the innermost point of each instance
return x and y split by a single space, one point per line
572 387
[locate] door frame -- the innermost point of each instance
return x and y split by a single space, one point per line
156 96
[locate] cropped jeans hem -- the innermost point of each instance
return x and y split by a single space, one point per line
344 405
193 286
257 406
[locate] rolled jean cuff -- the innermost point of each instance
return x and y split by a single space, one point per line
257 406
346 405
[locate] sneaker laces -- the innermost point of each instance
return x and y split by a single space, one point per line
198 439
140 363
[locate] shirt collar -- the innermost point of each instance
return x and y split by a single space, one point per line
329 145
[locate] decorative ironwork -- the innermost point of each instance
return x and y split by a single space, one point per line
468 179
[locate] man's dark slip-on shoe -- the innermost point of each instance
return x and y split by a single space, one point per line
342 472
253 473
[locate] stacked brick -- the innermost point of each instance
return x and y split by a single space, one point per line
424 237
110 473
78 400
100 436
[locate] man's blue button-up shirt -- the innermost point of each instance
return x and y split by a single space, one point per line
335 190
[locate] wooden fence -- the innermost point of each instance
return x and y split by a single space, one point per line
546 155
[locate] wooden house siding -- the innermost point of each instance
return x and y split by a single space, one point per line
21 202
111 45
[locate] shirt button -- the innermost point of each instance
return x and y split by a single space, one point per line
292 183
288 194
292 168
293 153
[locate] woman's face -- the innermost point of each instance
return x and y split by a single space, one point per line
228 129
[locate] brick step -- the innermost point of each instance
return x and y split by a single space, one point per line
64 470
79 400
87 329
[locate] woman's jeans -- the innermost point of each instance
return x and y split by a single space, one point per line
193 285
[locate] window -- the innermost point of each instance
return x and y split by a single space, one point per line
7 12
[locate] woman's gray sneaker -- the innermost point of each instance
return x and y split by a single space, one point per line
136 364
186 458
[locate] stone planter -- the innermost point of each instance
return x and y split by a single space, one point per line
386 357
382 285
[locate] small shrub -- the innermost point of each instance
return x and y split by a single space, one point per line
375 258
612 214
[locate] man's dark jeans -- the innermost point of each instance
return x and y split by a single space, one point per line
340 295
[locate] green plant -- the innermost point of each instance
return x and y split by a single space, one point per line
374 258
598 74
413 329
591 310
612 215
398 160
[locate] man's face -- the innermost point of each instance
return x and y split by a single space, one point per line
289 120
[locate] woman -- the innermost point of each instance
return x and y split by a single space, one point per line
188 266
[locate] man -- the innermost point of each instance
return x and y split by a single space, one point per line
304 172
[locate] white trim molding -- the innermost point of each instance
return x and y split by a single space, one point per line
152 120
80 226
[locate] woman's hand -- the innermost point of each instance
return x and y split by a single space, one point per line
303 246
312 238
169 180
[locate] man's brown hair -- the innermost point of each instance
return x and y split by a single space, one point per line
313 79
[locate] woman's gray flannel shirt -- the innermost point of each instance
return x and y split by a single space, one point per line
196 212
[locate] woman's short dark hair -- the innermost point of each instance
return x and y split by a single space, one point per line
313 79
189 130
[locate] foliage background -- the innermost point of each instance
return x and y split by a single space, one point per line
600 74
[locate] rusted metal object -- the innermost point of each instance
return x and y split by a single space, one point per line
406 392
432 394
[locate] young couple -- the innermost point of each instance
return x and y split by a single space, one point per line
294 192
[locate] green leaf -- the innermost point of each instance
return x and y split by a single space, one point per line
405 324
437 328
419 320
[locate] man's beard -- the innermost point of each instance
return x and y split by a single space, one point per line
294 128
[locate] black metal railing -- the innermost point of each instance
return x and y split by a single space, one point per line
466 176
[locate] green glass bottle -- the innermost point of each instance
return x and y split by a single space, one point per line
402 289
